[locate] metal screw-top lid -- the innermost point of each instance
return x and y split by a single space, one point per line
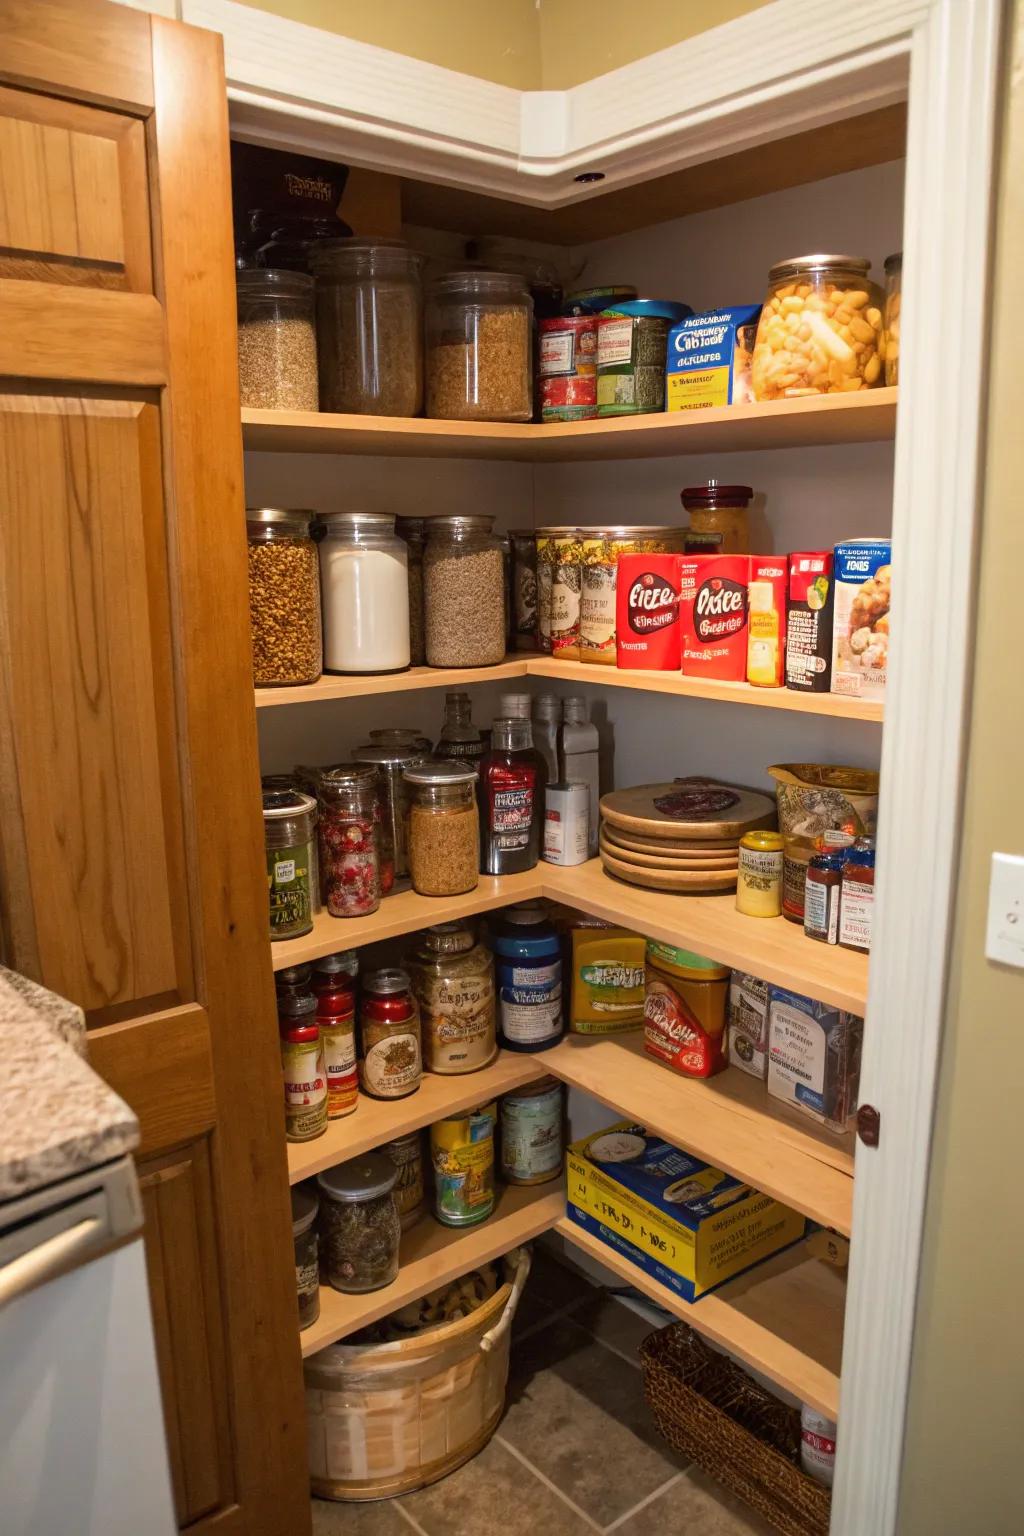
794 266
574 711
514 706
344 963
547 706
282 803
399 755
461 524
350 522
305 1204
344 777
511 735
894 263
288 518
448 939
386 982
449 770
361 1178
295 1005
293 976
278 781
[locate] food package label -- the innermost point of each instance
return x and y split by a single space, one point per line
709 359
766 631
713 616
809 621
860 631
647 612
607 981
748 1024
813 1057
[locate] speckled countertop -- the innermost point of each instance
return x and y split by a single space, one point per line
57 1118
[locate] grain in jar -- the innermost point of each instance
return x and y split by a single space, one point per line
406 1153
443 837
820 330
531 1133
276 341
479 327
365 581
359 1224
462 1152
600 551
284 597
369 317
413 530
464 593
453 979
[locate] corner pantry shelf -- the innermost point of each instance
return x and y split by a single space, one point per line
784 1318
819 420
432 1254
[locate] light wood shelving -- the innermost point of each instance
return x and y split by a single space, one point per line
784 1317
432 1254
349 687
729 1120
817 421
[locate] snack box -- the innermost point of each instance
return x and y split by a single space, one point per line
688 1225
713 612
860 632
709 358
813 1057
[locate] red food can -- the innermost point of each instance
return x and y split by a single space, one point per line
647 612
713 614
567 348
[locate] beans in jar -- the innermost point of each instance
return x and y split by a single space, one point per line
820 330
359 1223
349 858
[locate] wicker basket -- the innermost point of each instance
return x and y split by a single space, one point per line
385 1419
712 1412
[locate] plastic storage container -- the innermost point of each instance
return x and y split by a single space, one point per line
893 304
478 347
289 832
443 828
464 593
359 1223
528 973
369 320
453 979
276 341
365 580
820 330
284 597
349 852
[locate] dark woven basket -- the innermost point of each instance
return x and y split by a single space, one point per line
712 1412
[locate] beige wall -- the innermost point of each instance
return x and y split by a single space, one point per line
584 38
963 1467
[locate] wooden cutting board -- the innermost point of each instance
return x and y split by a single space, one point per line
715 861
690 883
665 845
693 810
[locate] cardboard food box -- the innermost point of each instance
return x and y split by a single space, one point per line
713 611
709 359
688 1225
860 635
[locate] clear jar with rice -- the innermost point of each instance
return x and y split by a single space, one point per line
464 593
284 597
820 330
277 368
600 550
369 318
443 836
479 327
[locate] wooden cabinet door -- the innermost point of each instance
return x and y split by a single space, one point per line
131 867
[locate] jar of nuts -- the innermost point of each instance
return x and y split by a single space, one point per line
444 828
479 329
820 330
284 597
464 593
276 340
893 296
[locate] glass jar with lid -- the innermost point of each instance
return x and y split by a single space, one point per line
305 1204
719 518
359 1224
414 531
284 597
390 1061
365 582
453 979
893 304
464 593
289 832
302 1066
478 347
820 330
391 763
369 319
276 340
444 828
349 856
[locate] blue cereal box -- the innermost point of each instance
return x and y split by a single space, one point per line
860 622
688 1225
709 358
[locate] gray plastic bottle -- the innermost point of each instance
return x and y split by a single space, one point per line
547 717
578 760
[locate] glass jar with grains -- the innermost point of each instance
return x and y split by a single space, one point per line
349 856
464 593
359 1224
284 597
276 340
444 828
820 330
369 321
413 530
453 978
478 347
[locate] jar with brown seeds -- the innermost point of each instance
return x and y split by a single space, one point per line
479 327
369 327
277 368
463 593
444 828
284 597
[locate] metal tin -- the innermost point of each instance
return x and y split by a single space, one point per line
566 823
289 832
531 1133
462 1151
759 882
406 1152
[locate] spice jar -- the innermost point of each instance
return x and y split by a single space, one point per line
359 1224
463 593
336 1019
759 883
510 799
857 895
414 531
284 597
820 330
289 833
305 1204
462 1151
822 888
600 551
390 764
453 979
443 828
531 1133
365 581
389 1036
524 588
406 1153
893 304
632 346
302 1064
528 973
719 520
276 341
478 347
369 326
349 858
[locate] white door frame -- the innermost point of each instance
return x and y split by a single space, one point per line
787 67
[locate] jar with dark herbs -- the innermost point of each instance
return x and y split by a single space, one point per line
464 593
478 347
632 346
289 832
305 1204
414 532
390 1062
349 857
369 318
276 341
453 978
359 1224
444 828
284 597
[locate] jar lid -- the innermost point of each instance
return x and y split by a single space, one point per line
560 532
386 982
894 263
646 309
361 1178
637 531
793 266
525 914
402 754
342 522
462 522
448 771
833 858
342 779
344 962
514 706
295 1005
448 939
305 1204
514 735
862 853
279 804
396 735
684 962
277 781
293 976
482 283
590 301
367 257
543 1085
547 706
255 282
716 494
766 842
289 519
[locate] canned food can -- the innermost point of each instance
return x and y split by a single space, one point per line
531 1133
462 1152
566 823
568 367
406 1152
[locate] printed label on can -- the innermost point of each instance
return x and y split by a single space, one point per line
392 1067
290 890
462 1150
531 1137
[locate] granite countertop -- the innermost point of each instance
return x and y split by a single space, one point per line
57 1117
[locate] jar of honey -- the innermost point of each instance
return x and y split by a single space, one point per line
718 518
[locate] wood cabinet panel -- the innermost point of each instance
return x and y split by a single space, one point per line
79 48
162 1067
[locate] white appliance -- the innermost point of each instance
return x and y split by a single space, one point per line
82 1449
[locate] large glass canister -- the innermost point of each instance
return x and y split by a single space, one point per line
289 830
369 316
464 593
444 828
820 330
349 851
365 583
479 327
390 763
284 597
893 304
276 340
359 1223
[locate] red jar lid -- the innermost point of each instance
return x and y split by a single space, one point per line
715 495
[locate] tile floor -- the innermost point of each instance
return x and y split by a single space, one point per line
576 1452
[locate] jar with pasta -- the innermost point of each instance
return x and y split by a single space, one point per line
820 330
479 327
893 299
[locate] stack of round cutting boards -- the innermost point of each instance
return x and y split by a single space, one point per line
680 837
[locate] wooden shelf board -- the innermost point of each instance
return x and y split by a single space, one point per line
432 1255
327 688
378 1120
784 1318
728 1119
819 420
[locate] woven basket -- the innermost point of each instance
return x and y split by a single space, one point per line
716 1415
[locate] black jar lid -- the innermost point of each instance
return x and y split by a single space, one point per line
361 1178
716 494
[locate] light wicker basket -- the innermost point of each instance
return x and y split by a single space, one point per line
385 1419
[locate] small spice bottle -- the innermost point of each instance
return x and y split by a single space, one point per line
857 896
453 979
302 1064
510 786
359 1224
349 854
759 886
305 1204
389 1036
336 1017
444 828
822 888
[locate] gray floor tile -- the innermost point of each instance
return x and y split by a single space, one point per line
335 1519
614 1324
555 1283
493 1492
695 1506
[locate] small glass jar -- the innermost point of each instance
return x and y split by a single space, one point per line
479 328
820 330
302 1066
444 828
524 588
369 322
406 1152
336 1020
390 764
365 580
857 895
464 593
359 1225
390 1062
400 736
453 979
759 881
349 857
276 340
293 885
284 597
414 531
305 1204
719 518
893 304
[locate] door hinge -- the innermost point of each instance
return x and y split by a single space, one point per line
869 1125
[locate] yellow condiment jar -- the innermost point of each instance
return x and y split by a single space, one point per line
759 885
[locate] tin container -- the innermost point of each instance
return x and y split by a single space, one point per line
684 1015
406 1152
566 824
565 554
632 345
568 368
462 1152
531 1133
453 979
289 831
601 549
759 882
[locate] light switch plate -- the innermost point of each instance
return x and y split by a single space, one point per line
1004 935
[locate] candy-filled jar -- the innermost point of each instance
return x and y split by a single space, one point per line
821 329
349 859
